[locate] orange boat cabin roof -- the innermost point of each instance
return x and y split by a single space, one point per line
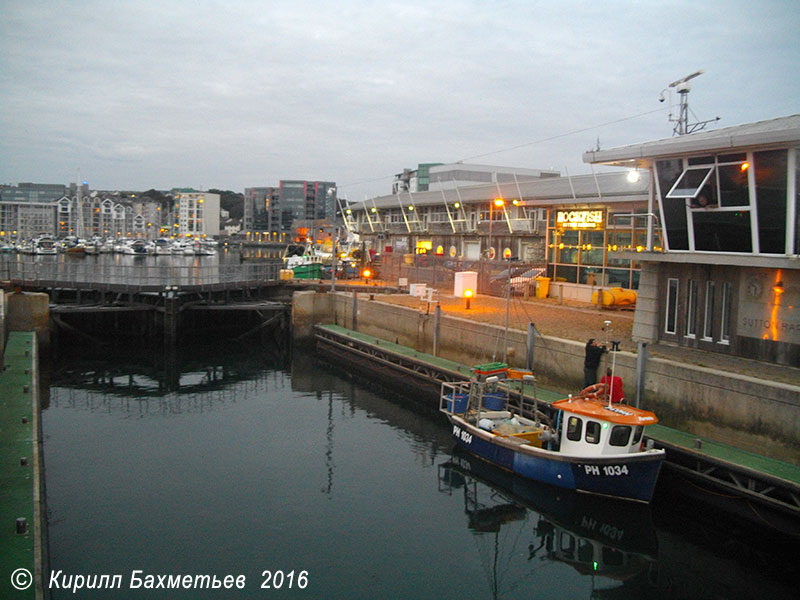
620 414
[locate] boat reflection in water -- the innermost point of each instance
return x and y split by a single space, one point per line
598 537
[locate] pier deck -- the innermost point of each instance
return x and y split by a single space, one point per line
748 476
20 492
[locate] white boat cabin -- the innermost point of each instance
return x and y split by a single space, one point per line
592 427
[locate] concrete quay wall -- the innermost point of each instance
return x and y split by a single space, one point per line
753 414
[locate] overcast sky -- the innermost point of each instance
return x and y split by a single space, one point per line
138 95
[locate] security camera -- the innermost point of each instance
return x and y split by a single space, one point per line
661 98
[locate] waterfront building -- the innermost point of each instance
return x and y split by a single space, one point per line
720 262
440 176
90 214
578 225
28 210
271 214
195 214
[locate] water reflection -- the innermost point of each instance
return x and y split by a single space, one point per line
613 543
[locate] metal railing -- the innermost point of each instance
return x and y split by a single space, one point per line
147 273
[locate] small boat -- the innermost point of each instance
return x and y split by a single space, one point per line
44 245
73 246
204 249
589 533
590 445
163 246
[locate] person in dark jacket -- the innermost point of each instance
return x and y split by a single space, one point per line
593 354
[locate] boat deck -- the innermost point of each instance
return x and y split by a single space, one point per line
747 474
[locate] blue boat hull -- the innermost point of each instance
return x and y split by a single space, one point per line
630 476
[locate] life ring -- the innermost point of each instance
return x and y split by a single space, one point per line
593 390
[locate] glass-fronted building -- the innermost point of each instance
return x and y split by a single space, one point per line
726 204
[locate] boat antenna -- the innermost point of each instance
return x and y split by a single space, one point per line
614 348
682 125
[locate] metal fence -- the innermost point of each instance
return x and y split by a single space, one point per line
143 273
494 277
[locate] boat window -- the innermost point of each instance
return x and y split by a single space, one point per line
637 435
567 545
613 557
585 551
593 432
574 427
620 435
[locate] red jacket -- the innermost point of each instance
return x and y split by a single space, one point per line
613 387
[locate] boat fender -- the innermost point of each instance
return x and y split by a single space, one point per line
486 424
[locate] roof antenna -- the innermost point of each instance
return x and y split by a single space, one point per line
682 125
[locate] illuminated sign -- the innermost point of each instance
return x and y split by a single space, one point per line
579 219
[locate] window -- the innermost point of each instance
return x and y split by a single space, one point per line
671 324
574 428
722 231
690 182
637 434
691 309
620 435
673 209
708 320
725 317
593 432
771 170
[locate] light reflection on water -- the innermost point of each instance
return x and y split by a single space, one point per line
256 462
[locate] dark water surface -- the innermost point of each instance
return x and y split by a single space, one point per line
236 462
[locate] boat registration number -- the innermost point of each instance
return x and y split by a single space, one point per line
462 435
608 470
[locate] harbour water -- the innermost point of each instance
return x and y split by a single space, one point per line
313 483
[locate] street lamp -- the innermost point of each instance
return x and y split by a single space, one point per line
498 202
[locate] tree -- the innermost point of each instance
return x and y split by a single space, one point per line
230 201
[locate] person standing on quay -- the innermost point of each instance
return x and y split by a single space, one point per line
592 361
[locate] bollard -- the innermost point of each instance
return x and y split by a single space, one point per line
698 443
22 526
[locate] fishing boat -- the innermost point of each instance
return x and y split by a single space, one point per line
588 445
307 265
589 533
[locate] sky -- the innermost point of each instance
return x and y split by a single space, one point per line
134 95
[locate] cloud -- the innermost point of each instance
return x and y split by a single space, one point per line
240 94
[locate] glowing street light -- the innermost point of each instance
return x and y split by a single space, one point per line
468 296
